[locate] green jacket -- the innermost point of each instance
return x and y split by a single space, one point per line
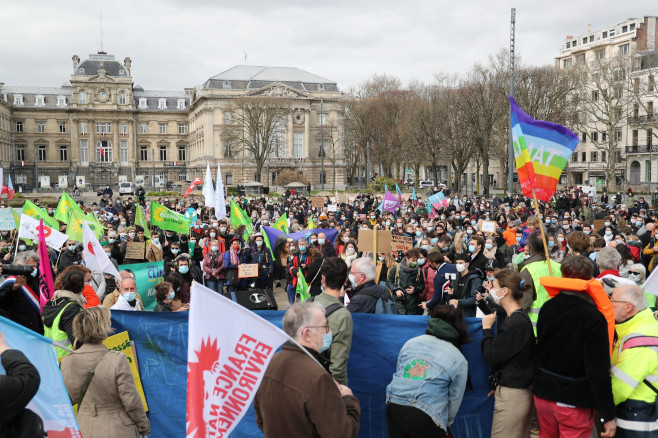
406 277
340 322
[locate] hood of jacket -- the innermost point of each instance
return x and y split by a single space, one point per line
442 330
59 300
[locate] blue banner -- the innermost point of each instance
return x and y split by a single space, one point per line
161 343
51 401
273 234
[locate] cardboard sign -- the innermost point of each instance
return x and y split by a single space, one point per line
317 202
248 271
332 207
488 226
135 250
401 243
598 224
363 217
383 241
121 342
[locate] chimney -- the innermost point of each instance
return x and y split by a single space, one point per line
589 28
127 63
2 85
76 62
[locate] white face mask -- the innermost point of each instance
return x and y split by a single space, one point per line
494 295
461 268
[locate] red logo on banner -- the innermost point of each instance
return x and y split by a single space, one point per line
46 230
208 360
90 247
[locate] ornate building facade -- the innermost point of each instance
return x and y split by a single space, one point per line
100 128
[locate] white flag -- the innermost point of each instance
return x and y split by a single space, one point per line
208 192
94 255
29 229
220 202
226 359
651 283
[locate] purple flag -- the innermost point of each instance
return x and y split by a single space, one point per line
273 234
390 202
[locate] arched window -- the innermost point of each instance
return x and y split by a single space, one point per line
104 151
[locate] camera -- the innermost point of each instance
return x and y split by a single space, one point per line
25 270
451 276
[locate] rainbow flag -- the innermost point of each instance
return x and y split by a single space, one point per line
541 150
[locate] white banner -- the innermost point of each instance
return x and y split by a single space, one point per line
208 192
7 221
226 360
94 255
220 202
29 229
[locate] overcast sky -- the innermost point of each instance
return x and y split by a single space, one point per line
176 44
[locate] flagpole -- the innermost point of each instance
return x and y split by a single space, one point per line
374 244
543 233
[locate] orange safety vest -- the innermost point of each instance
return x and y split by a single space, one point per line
593 287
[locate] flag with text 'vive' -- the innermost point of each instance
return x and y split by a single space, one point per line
51 401
169 220
226 360
541 150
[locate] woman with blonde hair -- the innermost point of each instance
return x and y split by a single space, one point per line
108 402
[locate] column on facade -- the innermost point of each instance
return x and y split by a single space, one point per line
116 145
307 134
290 152
209 148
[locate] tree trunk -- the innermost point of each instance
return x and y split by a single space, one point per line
485 172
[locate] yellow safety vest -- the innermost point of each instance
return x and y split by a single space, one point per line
537 270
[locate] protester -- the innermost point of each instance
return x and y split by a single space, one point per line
315 404
213 267
19 295
405 280
427 388
109 405
128 298
58 313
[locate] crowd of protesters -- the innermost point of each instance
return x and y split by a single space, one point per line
580 351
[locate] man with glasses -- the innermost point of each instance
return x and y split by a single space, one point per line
365 292
298 396
634 363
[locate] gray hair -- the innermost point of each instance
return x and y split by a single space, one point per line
634 295
639 267
608 258
299 315
366 266
24 256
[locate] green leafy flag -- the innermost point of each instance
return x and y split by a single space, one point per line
30 209
65 206
141 221
17 219
281 224
165 219
302 287
239 217
74 226
311 224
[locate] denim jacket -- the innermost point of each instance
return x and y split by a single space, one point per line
431 375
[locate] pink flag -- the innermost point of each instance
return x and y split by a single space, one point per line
46 285
390 203
226 360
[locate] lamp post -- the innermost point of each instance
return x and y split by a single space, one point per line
153 176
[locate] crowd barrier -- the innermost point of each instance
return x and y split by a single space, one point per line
161 344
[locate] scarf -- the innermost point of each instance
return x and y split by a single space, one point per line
234 256
78 299
490 253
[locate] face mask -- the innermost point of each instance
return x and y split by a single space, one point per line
495 297
213 234
426 247
461 268
155 240
620 242
34 272
471 248
123 224
586 232
222 230
381 259
607 223
131 235
565 227
352 280
608 233
635 277
350 251
490 278
72 247
346 239
435 240
419 233
24 247
259 243
174 251
488 245
129 296
638 223
469 232
321 241
302 248
398 224
171 295
421 262
551 244
214 248
326 342
553 221
107 253
548 221
183 269
111 239
314 241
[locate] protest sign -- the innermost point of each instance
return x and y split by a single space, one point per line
147 276
383 240
248 270
121 342
135 250
488 226
7 221
332 207
401 243
317 202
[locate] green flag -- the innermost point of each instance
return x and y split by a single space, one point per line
66 204
165 219
141 221
74 226
239 217
17 219
30 209
281 224
302 287
310 225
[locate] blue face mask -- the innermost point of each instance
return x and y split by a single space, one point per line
171 295
352 281
551 244
34 272
320 241
326 342
435 240
129 296
471 248
490 278
183 269
419 233
302 249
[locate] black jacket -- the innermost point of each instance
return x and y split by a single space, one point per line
17 307
68 258
512 350
362 301
18 387
573 358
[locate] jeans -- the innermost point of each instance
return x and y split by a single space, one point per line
216 285
292 291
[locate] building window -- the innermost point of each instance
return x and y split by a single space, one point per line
566 63
163 153
229 179
612 32
19 126
592 156
594 136
143 153
604 35
181 128
618 155
632 26
182 153
623 49
103 127
41 126
122 98
595 95
142 128
82 97
602 155
41 149
41 101
20 153
61 101
228 149
618 135
21 178
322 119
63 153
162 103
600 53
180 104
574 157
619 92
650 108
142 102
567 45
574 43
123 129
585 40
583 157
163 128
18 100
649 137
228 118
84 151
62 127
104 151
580 58
583 137
624 29
652 83
636 85
83 128
604 137
635 137
298 144
123 151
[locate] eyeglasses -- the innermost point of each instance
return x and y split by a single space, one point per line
325 327
619 301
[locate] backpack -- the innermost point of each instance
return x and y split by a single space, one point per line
329 309
385 304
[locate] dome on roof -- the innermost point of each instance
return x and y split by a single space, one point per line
138 88
91 66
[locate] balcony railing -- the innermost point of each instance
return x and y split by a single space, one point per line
647 118
642 149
